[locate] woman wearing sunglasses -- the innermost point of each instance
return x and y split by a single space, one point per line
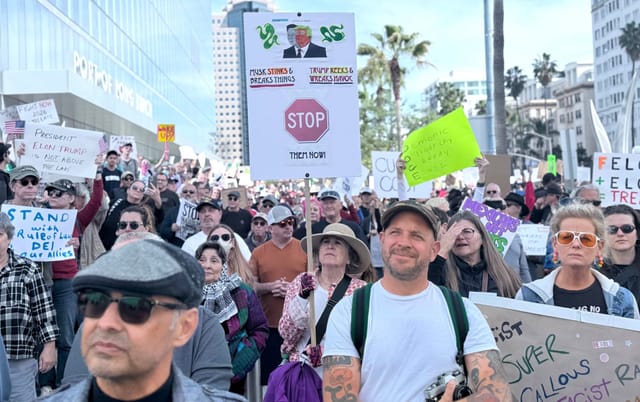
578 240
134 219
473 264
236 263
621 255
237 308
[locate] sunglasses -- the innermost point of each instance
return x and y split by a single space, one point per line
267 205
132 225
26 181
224 237
492 191
626 229
138 189
595 203
132 309
586 239
232 198
259 222
188 192
512 204
286 222
128 178
55 193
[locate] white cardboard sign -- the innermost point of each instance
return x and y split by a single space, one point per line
385 180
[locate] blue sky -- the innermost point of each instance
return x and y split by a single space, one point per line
456 30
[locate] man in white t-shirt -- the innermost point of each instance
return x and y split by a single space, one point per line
410 338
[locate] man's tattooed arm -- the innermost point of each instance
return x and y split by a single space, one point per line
341 378
487 378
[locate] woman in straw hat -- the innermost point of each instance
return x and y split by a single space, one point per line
340 254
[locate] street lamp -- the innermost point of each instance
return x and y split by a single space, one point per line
550 141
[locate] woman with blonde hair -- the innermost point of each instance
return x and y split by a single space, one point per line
578 240
236 263
473 262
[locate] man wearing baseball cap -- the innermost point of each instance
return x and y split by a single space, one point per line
139 303
275 264
235 217
259 231
24 184
399 299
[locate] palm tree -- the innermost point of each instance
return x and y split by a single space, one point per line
390 47
543 70
515 81
629 40
500 114
481 107
449 97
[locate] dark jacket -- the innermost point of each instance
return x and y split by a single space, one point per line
628 276
312 51
5 189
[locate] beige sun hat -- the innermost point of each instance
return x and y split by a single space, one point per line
344 233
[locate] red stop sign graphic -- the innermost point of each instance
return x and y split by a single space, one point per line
306 120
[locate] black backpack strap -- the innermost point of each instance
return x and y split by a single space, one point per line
459 319
360 317
338 293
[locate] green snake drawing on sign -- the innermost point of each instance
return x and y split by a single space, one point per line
333 33
268 35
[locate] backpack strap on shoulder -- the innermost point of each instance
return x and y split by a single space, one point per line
459 319
360 317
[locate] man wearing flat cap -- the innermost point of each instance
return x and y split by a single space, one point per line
139 303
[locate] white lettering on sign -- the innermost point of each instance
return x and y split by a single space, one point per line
91 72
306 120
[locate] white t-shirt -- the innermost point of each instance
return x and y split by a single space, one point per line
410 342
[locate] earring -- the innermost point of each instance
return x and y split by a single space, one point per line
555 257
600 261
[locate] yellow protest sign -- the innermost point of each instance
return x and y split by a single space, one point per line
166 132
442 147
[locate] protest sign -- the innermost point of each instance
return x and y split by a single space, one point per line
441 147
616 176
386 181
116 142
202 159
41 234
583 175
8 114
166 132
351 186
501 227
61 151
303 109
564 355
534 238
41 112
244 176
186 152
498 171
187 219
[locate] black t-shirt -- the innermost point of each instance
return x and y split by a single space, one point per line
169 200
239 221
111 180
163 394
590 299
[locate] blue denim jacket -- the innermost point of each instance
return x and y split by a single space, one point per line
620 301
184 390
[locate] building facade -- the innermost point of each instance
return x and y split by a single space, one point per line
612 73
472 83
113 66
232 134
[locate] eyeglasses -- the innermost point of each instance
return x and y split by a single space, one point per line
224 237
492 191
287 222
626 229
188 192
259 222
512 204
132 225
25 181
267 205
566 237
138 189
467 233
128 178
132 309
55 193
595 203
232 198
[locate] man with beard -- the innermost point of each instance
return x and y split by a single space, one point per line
398 301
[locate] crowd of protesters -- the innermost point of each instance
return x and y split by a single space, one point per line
257 282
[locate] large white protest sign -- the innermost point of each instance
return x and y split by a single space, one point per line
616 175
563 355
61 151
187 219
186 152
41 112
116 142
351 186
385 178
41 234
301 76
534 238
583 175
501 227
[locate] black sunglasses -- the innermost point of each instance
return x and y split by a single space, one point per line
132 309
188 192
259 222
224 237
55 193
287 222
25 181
267 205
626 229
491 191
132 225
128 178
232 198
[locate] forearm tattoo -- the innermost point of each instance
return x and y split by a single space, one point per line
487 378
340 380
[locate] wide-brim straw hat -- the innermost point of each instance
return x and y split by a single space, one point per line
344 233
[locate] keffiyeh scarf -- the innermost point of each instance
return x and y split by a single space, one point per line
217 295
